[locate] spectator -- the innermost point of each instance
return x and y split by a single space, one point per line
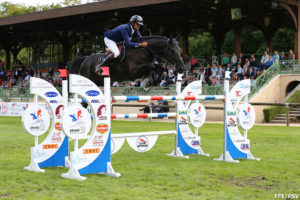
165 80
258 73
172 78
239 71
252 82
233 59
269 63
276 55
282 56
245 71
207 74
291 55
2 74
195 74
225 60
236 78
214 70
1 63
220 74
194 63
228 68
51 71
264 59
242 58
186 59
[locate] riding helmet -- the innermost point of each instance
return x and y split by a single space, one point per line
138 19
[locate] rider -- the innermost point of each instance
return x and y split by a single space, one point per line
124 32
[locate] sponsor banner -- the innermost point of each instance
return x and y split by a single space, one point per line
116 144
15 108
197 115
142 143
246 116
76 122
36 120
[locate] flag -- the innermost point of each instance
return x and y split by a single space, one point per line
63 73
105 71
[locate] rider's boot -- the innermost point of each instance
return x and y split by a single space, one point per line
103 62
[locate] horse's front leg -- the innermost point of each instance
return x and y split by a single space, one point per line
142 70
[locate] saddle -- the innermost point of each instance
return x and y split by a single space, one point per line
122 50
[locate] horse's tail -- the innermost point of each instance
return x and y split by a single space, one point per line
75 67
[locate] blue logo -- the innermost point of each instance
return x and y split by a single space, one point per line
95 101
51 94
53 101
92 93
195 87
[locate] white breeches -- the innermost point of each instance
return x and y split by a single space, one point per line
111 45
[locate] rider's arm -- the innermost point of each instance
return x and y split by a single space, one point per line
138 34
126 39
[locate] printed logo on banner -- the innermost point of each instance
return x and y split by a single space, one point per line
95 101
40 154
51 94
50 146
98 141
195 143
196 87
244 86
38 123
238 93
57 126
142 143
79 125
102 128
53 101
246 116
92 93
190 94
101 112
56 137
79 159
231 113
190 138
245 147
231 122
90 151
183 112
182 120
233 102
58 111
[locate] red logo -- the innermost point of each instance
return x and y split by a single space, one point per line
238 93
102 128
57 126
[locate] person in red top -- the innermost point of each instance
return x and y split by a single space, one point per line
194 63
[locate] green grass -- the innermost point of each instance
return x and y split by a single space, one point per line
152 175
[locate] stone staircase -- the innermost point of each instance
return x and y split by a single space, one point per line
294 116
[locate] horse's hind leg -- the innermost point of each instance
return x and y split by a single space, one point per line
142 70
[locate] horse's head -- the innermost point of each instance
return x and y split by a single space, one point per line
173 54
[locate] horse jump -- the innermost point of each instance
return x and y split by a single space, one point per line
95 155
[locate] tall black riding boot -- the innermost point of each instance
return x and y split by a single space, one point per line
104 61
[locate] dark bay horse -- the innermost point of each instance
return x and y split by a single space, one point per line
138 62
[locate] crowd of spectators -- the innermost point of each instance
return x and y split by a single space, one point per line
20 76
211 73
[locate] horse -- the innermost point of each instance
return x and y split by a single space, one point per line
137 62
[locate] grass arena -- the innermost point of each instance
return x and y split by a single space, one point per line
152 175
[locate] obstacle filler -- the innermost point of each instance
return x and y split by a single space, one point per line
186 142
95 155
51 152
235 145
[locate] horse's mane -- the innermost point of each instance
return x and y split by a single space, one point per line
149 38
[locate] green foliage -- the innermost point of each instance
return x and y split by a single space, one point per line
201 44
283 39
228 44
272 112
253 40
153 175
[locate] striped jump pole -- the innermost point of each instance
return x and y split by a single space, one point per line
158 115
169 98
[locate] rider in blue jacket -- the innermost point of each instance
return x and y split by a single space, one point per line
122 33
